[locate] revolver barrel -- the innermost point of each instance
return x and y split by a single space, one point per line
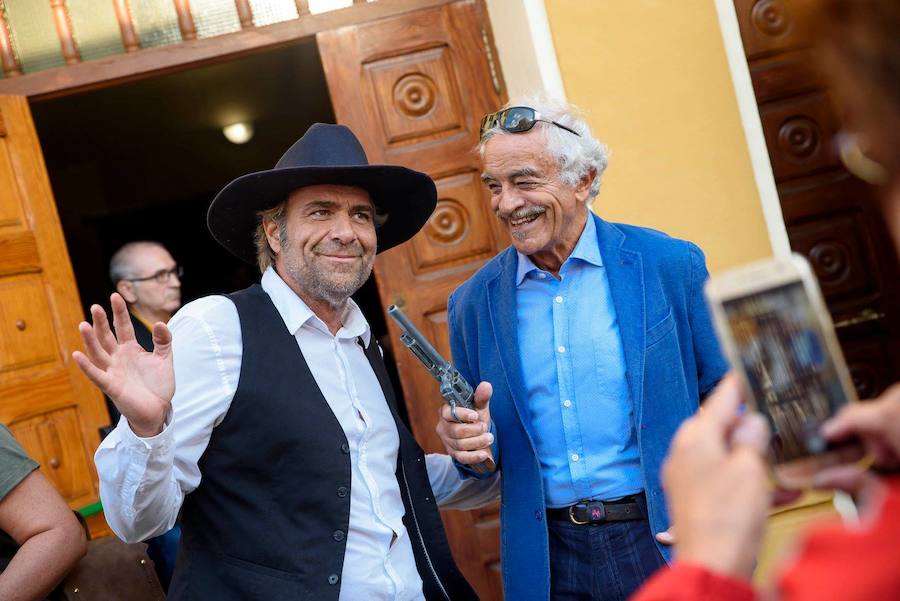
455 390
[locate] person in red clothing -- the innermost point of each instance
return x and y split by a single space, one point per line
719 493
715 477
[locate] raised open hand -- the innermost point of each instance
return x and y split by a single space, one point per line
140 384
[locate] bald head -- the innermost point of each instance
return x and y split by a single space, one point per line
122 264
144 273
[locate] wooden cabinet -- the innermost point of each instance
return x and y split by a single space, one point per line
49 407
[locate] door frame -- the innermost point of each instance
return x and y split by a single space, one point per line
153 62
753 130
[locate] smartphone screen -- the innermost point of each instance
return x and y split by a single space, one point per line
788 367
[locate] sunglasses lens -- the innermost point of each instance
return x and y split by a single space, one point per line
517 119
487 122
514 120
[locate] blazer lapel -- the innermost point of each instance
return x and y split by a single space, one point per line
501 297
624 270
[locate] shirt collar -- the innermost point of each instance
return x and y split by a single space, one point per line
296 313
586 249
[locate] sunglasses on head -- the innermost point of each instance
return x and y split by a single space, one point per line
517 119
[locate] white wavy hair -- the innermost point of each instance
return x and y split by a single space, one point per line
576 155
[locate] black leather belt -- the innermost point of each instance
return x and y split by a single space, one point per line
598 512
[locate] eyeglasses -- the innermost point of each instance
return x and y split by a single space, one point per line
517 119
162 276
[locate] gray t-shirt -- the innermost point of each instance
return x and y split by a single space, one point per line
15 464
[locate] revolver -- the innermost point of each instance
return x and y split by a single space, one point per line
455 390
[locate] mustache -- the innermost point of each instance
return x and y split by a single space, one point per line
354 249
529 211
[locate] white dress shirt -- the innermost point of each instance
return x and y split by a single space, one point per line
143 480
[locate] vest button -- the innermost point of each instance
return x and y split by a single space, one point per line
338 535
342 491
333 579
345 449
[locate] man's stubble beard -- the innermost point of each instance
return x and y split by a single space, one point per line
319 282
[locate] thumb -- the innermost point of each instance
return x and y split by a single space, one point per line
752 430
667 537
162 340
483 396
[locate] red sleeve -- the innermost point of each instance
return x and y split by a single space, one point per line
689 582
850 564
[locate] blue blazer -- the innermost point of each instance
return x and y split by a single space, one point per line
672 361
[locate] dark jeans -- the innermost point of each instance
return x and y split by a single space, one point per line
602 562
162 550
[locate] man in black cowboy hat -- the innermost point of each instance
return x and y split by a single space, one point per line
311 486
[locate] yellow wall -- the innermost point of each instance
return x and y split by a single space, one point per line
653 79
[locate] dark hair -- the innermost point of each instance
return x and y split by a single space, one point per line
866 34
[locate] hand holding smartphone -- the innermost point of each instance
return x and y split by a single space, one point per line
777 332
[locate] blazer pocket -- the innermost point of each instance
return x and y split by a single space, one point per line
660 329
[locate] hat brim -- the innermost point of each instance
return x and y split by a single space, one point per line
406 196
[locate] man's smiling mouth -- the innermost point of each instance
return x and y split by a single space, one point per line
525 216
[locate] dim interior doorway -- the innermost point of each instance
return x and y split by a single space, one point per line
142 160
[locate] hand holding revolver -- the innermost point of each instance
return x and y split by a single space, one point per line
461 401
469 441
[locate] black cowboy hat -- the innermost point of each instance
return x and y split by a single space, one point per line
326 154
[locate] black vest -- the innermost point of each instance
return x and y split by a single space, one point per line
269 519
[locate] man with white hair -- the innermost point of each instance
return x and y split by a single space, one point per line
597 342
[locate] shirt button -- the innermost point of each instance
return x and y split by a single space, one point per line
333 579
342 491
542 275
575 457
567 403
558 299
345 449
338 535
561 349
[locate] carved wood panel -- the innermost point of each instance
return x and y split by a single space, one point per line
831 217
766 27
868 364
416 95
836 252
800 135
26 328
785 74
414 89
50 406
47 437
459 230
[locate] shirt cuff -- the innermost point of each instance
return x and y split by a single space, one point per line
159 443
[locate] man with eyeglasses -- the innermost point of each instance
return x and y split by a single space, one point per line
149 280
597 343
147 277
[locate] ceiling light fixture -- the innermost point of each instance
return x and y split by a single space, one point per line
238 133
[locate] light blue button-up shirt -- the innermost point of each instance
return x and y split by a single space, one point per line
574 371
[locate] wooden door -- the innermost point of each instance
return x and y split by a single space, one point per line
831 217
50 408
414 88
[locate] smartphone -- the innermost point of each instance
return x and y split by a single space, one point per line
776 330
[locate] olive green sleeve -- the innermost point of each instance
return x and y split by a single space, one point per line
15 464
